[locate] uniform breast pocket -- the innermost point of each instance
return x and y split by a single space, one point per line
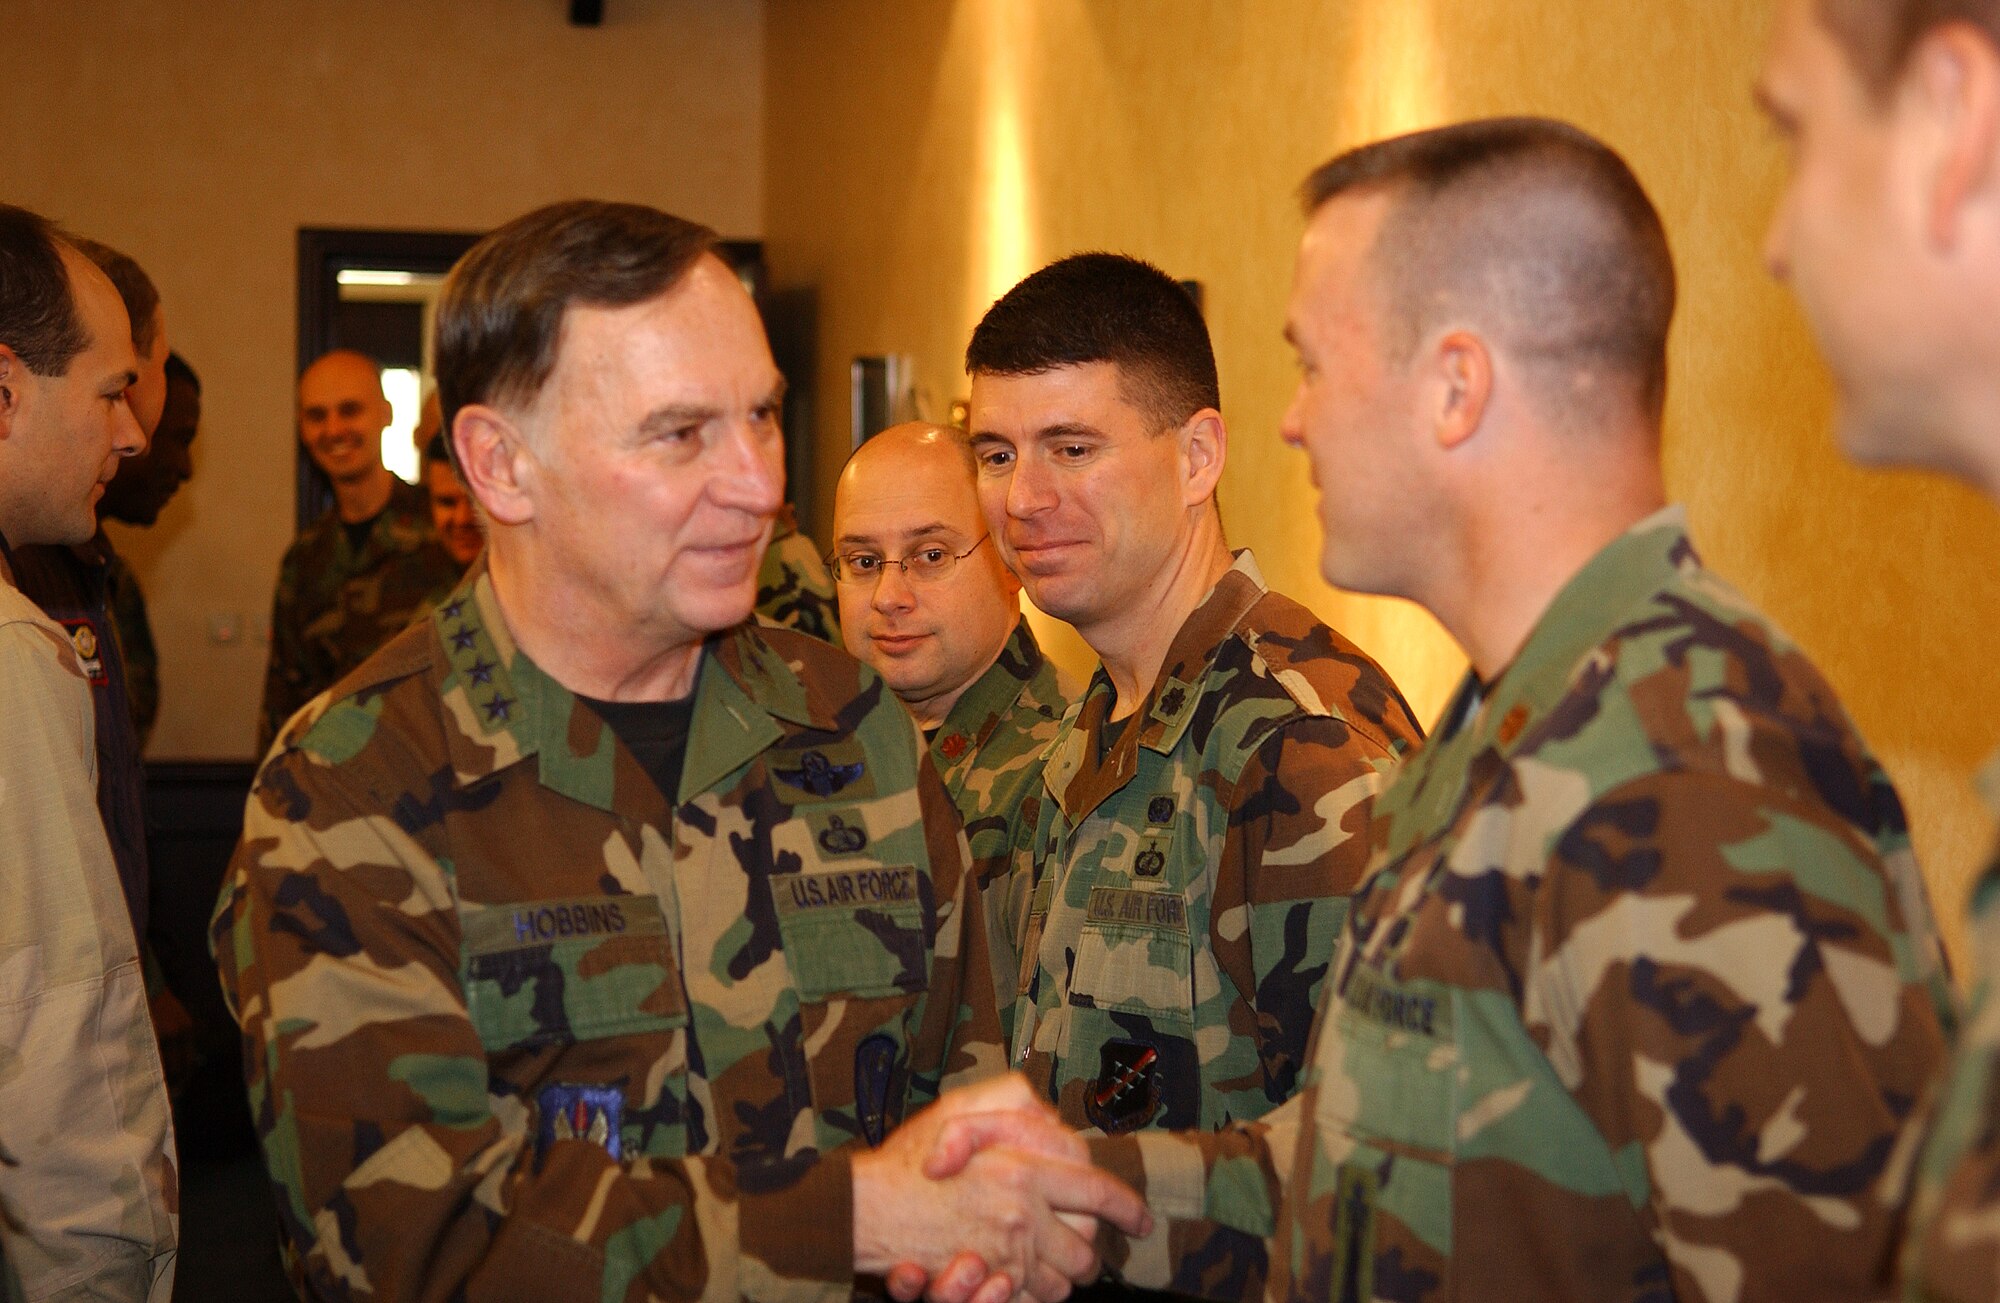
859 957
1133 956
1385 1085
559 972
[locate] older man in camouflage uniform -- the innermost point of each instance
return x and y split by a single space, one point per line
926 602
1642 988
588 942
1207 800
360 573
1890 235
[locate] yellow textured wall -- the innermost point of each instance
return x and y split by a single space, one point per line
922 159
199 136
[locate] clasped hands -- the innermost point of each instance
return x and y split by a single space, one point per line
982 1196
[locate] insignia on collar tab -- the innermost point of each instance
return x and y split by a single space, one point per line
954 746
874 1071
1171 702
820 776
1126 1094
577 1112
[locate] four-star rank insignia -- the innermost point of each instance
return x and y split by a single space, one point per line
575 1112
1126 1094
820 776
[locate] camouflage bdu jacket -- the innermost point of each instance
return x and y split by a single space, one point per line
1953 1251
793 587
1636 1003
989 752
1188 887
518 1028
335 604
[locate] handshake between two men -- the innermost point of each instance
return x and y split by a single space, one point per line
983 1195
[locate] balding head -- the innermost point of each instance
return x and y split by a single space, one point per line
908 495
1531 233
342 414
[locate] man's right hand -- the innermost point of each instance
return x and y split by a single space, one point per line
1023 1208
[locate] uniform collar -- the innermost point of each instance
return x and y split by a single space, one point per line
1587 610
507 708
1075 775
980 708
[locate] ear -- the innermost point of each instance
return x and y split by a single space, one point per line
1953 85
498 465
1463 375
12 372
1204 449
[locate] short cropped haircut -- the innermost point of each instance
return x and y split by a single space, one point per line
134 286
39 319
1105 307
178 369
500 317
1879 35
1536 230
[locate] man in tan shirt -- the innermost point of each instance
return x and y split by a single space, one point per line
88 1194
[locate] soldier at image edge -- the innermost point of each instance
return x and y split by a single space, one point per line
1642 990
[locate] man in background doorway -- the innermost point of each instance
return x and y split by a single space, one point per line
926 602
1889 234
360 573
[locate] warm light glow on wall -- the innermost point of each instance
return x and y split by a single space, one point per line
1395 79
1004 253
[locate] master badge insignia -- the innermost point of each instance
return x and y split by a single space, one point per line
820 776
1126 1094
839 839
575 1112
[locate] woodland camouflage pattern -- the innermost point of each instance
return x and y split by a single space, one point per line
1637 1003
989 752
1953 1249
1189 888
793 587
336 605
517 1028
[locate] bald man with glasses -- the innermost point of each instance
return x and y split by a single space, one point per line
926 602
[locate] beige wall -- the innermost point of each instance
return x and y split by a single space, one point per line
917 167
200 136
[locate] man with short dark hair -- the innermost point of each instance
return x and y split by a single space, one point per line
87 1182
1206 803
141 491
1642 989
1889 234
926 602
593 940
360 573
73 587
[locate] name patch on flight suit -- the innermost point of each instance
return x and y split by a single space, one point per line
89 648
500 928
798 893
1164 910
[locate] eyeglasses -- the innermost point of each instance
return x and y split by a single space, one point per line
923 566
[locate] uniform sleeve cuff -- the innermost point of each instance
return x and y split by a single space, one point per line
805 1232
